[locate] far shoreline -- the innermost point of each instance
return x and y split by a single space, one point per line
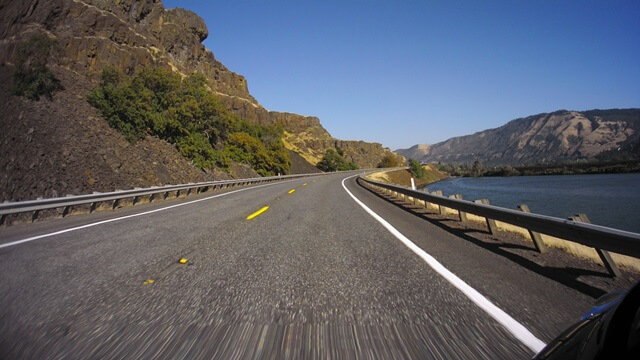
475 170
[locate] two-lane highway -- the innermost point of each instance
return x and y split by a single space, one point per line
293 269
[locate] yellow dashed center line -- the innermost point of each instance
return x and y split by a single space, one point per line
257 213
292 191
305 184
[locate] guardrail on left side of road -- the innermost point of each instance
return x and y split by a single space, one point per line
66 203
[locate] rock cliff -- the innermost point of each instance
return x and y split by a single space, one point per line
543 138
131 35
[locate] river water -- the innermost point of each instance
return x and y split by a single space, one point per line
611 200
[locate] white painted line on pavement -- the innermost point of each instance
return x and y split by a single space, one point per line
513 326
17 242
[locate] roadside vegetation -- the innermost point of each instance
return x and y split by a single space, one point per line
389 161
185 112
416 169
32 78
333 160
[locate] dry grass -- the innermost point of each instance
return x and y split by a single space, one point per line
380 176
403 177
296 143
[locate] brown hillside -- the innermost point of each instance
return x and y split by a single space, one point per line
544 138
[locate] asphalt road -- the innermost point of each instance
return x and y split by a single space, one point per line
313 276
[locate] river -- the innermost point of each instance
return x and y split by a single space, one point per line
611 200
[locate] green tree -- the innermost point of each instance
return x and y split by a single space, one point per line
477 169
416 169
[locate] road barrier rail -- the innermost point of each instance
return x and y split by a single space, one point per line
576 229
69 201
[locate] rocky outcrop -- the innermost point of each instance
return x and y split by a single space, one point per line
128 34
544 138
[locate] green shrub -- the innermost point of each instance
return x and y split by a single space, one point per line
388 161
185 112
333 161
416 169
32 77
197 147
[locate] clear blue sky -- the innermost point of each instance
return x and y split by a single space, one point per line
407 72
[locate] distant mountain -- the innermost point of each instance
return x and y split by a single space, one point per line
544 138
415 152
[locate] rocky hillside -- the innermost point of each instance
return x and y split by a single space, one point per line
543 138
59 147
134 34
416 152
65 141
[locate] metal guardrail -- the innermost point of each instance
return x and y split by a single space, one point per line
35 206
596 236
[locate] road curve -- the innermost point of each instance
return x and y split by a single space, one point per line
311 276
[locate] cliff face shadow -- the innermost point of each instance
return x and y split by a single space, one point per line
581 275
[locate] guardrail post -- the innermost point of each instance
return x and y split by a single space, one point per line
165 195
135 200
66 210
535 236
188 192
461 214
491 224
34 216
2 217
608 262
115 204
426 203
440 207
92 207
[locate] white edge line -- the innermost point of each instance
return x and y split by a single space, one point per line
17 242
513 326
